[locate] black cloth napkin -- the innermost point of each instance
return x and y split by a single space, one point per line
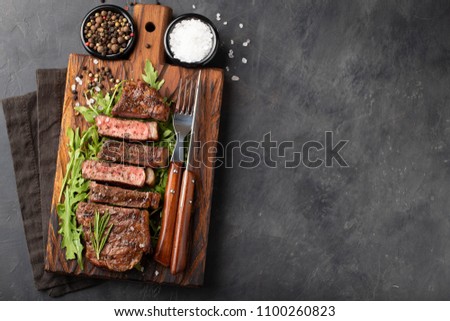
33 122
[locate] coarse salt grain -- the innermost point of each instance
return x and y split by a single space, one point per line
193 6
97 89
77 104
227 68
245 43
232 41
241 25
218 17
244 60
91 101
230 54
156 273
191 40
77 79
73 87
95 61
225 23
235 78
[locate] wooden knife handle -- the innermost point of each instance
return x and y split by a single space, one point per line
182 226
163 250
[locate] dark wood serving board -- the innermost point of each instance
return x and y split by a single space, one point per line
208 117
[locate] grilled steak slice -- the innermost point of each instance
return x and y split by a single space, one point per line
113 173
129 238
122 197
136 154
139 100
126 129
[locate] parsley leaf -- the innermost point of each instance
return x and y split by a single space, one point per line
150 76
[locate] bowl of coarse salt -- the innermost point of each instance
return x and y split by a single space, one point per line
191 40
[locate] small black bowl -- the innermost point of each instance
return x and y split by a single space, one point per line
205 60
131 42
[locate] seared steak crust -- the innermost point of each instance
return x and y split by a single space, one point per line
136 154
122 197
139 100
129 238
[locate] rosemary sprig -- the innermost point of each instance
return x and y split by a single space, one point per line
100 232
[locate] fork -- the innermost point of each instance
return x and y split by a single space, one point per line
182 123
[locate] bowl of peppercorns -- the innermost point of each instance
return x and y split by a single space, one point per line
108 32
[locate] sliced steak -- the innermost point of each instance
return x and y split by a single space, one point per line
129 238
122 197
136 154
139 100
126 129
113 173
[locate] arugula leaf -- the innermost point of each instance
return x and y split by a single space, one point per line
75 189
88 113
150 76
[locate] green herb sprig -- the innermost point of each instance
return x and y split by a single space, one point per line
150 76
75 189
100 232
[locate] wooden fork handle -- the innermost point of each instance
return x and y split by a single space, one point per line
163 250
182 226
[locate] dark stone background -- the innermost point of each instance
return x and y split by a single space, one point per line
375 73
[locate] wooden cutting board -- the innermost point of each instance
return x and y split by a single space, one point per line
208 117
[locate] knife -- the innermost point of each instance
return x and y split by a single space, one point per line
184 120
186 200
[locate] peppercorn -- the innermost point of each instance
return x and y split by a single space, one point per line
114 48
104 29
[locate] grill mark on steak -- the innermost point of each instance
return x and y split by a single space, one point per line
127 129
136 154
139 100
129 238
122 197
113 173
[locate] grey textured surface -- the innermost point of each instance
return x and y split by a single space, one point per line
373 72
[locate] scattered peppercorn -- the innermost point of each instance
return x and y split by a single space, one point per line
147 45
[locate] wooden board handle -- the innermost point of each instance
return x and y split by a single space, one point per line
163 250
182 226
151 21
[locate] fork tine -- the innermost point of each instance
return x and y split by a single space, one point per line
177 106
191 98
183 108
185 97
